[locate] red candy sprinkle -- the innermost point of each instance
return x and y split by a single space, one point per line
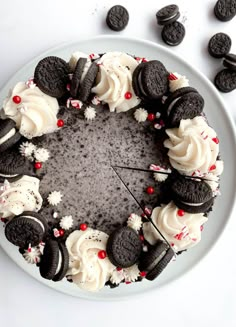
143 273
172 77
150 190
38 165
141 238
83 227
61 232
4 220
128 95
213 167
102 254
16 99
119 268
201 228
60 123
180 212
151 117
172 244
127 282
216 140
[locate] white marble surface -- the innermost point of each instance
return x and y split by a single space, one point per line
206 296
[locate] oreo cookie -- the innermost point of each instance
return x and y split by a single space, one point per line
156 259
51 76
192 196
225 80
230 61
117 18
87 83
150 80
184 103
225 10
124 247
167 14
173 34
8 134
27 228
55 261
77 74
219 45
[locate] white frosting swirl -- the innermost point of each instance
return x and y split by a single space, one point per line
182 232
22 195
114 79
35 115
193 146
87 270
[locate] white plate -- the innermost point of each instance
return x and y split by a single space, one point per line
218 118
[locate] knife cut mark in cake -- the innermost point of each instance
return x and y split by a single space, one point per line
91 124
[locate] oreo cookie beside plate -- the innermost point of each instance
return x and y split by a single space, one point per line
225 80
230 61
124 247
184 103
192 196
27 228
173 33
8 134
225 10
117 18
54 261
156 259
51 76
167 14
219 45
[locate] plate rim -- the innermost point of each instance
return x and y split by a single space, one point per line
106 37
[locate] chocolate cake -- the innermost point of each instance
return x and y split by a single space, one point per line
98 160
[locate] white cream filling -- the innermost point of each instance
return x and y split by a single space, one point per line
233 63
172 105
193 204
6 137
4 175
59 263
35 219
85 70
168 18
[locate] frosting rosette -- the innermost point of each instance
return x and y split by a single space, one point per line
193 146
114 81
35 112
87 270
17 197
182 232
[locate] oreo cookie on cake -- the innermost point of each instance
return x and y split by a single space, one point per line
8 134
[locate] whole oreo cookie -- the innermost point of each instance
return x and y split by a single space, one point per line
173 34
230 61
225 10
184 103
27 228
167 14
51 76
117 18
225 80
124 247
54 261
8 134
150 80
192 196
156 260
219 45
77 74
87 83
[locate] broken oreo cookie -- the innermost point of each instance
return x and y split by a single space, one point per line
225 10
117 18
219 45
173 33
225 80
124 247
167 14
8 134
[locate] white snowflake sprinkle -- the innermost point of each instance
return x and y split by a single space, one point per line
66 222
41 154
27 150
32 255
54 198
141 115
132 273
90 113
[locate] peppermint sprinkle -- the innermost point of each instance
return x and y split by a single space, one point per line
30 83
56 232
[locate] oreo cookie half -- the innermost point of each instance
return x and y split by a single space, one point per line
225 10
156 260
54 261
124 247
192 196
219 45
230 61
77 74
117 18
8 134
27 228
173 34
167 14
87 83
225 80
51 76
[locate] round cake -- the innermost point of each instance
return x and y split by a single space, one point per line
108 168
